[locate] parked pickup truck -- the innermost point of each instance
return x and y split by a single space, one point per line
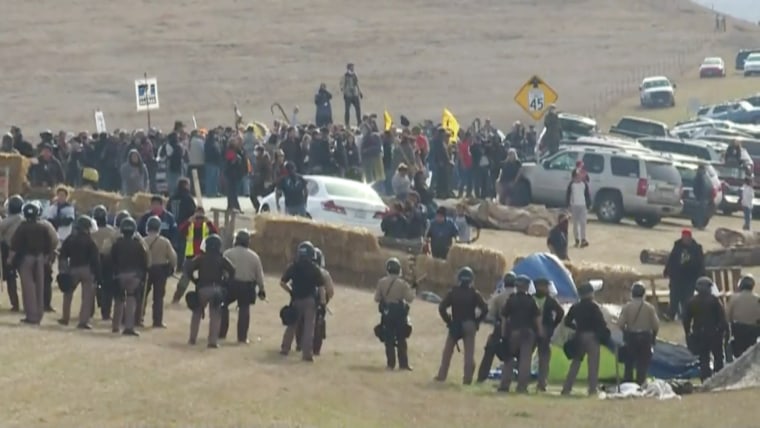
637 127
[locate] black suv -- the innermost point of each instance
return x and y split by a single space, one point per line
742 55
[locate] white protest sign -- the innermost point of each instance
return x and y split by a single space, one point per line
100 122
146 94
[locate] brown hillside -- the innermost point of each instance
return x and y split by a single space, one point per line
66 58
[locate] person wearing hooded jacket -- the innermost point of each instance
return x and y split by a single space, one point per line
705 326
134 175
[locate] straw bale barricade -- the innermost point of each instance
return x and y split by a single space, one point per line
354 256
18 166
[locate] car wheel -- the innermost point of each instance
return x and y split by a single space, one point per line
727 211
308 216
647 221
746 74
609 207
521 194
695 225
265 208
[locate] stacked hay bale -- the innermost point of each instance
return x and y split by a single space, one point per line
18 167
87 199
440 275
617 279
352 254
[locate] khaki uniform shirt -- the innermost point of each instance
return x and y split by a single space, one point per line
104 238
497 302
329 286
645 321
8 226
160 251
247 265
393 289
51 230
744 308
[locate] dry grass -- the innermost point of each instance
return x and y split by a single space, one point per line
209 54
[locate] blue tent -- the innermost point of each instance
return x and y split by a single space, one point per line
545 265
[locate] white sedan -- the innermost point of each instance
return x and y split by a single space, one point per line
337 201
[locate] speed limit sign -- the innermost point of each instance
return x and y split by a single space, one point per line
535 97
536 100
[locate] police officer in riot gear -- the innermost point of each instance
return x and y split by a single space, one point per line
640 325
104 238
705 327
163 261
214 271
31 246
304 282
744 315
120 216
520 327
320 325
462 323
129 259
8 226
494 344
79 262
249 277
393 296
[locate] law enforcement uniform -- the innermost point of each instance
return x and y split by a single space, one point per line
130 261
495 304
320 325
520 325
7 227
32 245
587 319
705 326
304 282
104 238
462 323
79 263
214 271
640 325
551 317
393 296
163 260
249 275
744 315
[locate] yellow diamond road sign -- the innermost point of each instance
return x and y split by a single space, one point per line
535 96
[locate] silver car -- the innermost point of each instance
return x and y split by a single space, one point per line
638 184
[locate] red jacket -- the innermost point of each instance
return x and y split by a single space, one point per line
464 153
422 144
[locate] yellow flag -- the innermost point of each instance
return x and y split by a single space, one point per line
388 120
449 123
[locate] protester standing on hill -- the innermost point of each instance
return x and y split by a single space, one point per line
322 101
352 94
686 263
468 310
578 200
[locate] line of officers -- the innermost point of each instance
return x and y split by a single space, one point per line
117 269
525 321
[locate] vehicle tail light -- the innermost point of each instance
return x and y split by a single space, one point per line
331 207
381 214
641 187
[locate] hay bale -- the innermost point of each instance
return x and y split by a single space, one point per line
440 275
617 278
87 199
141 203
18 168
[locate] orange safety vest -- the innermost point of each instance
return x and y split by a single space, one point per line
190 241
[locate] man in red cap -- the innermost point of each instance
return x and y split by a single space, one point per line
686 263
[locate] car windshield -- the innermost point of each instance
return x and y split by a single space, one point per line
712 61
660 83
576 127
660 171
350 189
